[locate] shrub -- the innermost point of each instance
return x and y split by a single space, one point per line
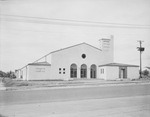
8 82
145 72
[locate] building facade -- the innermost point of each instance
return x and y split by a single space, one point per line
116 71
79 61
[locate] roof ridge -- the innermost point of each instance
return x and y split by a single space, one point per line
74 46
118 64
44 62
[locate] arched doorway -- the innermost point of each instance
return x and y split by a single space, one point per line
83 71
93 71
73 71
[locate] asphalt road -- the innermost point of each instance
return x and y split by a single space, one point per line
65 94
133 106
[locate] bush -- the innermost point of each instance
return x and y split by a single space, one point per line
145 72
8 82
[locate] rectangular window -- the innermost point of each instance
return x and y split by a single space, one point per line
102 71
64 70
59 70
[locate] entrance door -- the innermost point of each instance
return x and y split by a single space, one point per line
123 72
73 71
83 71
93 71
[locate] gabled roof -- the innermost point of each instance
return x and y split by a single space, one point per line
75 46
40 64
119 64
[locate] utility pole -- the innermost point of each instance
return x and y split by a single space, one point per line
141 49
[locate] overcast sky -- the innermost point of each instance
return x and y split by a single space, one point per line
25 39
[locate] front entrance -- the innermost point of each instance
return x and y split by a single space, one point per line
123 72
93 71
73 71
83 71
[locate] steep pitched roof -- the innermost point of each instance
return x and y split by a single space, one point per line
40 64
75 46
119 64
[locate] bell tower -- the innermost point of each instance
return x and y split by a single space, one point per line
107 46
106 43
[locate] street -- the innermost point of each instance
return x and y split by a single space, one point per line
136 106
65 94
106 101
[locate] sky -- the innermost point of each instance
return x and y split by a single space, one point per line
29 29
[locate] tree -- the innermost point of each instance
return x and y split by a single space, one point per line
3 74
9 74
146 72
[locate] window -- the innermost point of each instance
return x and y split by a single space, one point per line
59 70
83 71
64 70
73 71
102 71
83 56
93 71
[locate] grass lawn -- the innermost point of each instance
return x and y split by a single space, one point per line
19 84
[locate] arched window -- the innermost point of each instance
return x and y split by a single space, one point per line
93 71
83 71
73 71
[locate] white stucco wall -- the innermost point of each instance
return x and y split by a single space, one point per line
64 59
39 72
133 72
23 73
112 72
101 74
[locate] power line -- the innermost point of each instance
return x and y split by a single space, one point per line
55 21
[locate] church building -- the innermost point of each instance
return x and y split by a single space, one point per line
79 61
